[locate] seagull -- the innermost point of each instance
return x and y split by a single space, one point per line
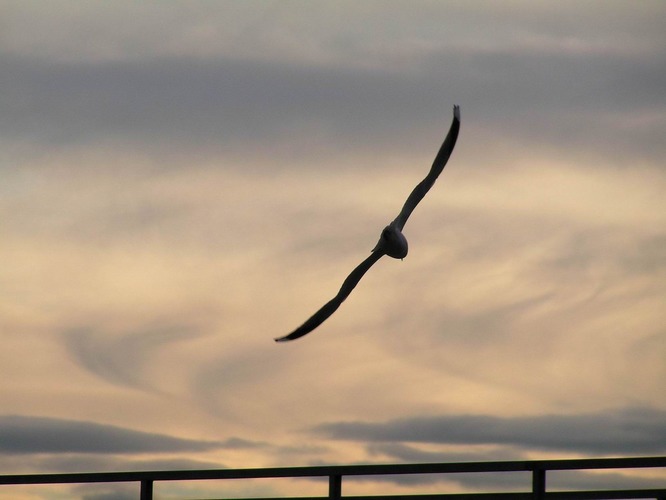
391 241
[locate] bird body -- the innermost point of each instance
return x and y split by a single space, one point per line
391 240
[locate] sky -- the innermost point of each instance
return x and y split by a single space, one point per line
184 181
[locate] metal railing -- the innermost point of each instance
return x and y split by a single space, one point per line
335 474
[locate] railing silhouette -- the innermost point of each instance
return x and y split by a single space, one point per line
335 474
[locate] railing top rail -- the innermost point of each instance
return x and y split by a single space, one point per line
337 470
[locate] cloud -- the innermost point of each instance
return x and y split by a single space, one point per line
415 454
59 463
343 33
280 112
626 431
121 359
27 435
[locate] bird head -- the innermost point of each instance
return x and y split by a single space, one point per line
392 242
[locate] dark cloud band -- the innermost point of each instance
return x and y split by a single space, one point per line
627 431
24 434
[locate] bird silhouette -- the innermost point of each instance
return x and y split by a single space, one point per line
391 241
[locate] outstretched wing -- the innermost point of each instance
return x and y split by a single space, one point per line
437 166
332 305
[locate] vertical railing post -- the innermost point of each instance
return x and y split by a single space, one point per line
146 489
334 487
538 483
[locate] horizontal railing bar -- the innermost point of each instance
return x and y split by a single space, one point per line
600 463
446 496
424 496
606 495
265 498
338 470
569 495
147 478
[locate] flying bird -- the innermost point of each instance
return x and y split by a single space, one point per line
391 241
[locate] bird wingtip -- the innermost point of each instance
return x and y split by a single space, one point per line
287 338
456 112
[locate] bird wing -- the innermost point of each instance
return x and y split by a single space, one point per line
332 305
437 166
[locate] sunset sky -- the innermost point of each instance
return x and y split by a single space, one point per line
184 181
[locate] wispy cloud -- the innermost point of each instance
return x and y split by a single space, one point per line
121 358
